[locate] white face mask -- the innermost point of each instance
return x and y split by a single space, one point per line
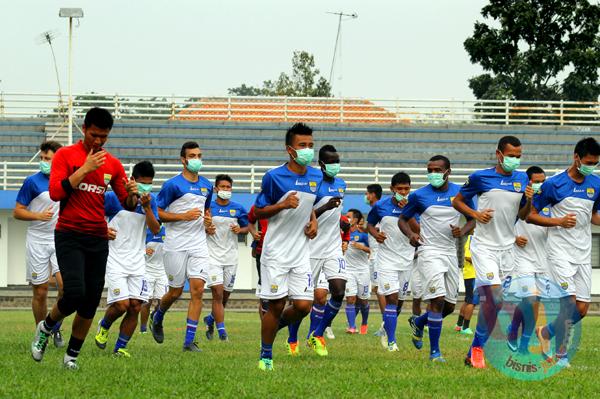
225 195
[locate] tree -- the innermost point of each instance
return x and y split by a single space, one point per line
305 81
537 50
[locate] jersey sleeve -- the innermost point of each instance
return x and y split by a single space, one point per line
118 181
154 206
412 206
59 187
265 198
112 206
26 192
166 195
208 202
364 238
471 188
373 216
545 197
243 217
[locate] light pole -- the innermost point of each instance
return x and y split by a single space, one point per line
70 13
340 15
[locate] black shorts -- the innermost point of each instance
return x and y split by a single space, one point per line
82 264
469 287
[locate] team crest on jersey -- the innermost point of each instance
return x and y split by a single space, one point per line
517 186
452 199
34 275
116 291
432 290
313 186
107 178
341 191
490 276
564 285
590 192
386 286
170 277
232 212
274 288
204 191
356 238
213 278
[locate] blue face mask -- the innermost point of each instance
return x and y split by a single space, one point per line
194 165
45 167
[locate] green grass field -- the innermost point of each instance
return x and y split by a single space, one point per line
356 367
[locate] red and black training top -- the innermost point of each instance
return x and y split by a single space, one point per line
82 208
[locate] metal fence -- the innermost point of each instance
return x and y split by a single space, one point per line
289 109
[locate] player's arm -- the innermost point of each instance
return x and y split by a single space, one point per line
170 217
526 207
404 223
22 213
266 212
566 221
333 203
459 203
469 226
311 228
361 246
151 213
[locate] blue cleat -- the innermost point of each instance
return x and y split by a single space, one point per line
210 329
437 358
417 333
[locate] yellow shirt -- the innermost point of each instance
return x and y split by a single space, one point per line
468 269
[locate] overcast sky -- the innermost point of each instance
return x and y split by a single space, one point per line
395 49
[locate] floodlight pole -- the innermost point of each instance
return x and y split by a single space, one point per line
70 136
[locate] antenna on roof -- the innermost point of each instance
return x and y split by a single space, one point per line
341 17
48 37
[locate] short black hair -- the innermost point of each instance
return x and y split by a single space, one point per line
297 129
587 146
441 158
375 189
324 149
400 178
50 146
356 214
143 169
506 140
98 117
533 170
222 177
188 145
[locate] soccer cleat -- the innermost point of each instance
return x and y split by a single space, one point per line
329 333
58 339
40 341
265 364
437 358
477 357
467 331
156 329
101 337
364 329
392 347
350 330
143 332
71 364
193 347
121 353
417 333
383 340
545 344
512 344
457 328
563 362
468 362
380 332
210 329
293 348
224 338
317 344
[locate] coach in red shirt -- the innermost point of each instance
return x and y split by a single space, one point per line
79 178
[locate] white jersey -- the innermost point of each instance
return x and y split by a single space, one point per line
34 195
503 194
328 242
395 253
534 253
179 195
285 243
155 266
566 196
357 259
223 245
374 246
126 252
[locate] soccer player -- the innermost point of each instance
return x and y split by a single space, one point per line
258 229
229 219
573 196
531 269
466 310
158 285
287 196
501 200
126 266
34 205
79 177
436 239
184 207
357 267
326 257
395 254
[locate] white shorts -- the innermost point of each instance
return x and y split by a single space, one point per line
41 262
574 279
322 283
122 286
358 284
373 272
416 281
525 285
492 267
441 275
157 286
330 268
181 265
278 282
229 273
393 281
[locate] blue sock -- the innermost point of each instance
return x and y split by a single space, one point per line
390 319
122 341
283 323
550 330
351 315
434 321
57 326
421 321
221 329
209 320
316 315
159 315
524 343
143 328
364 311
105 323
480 338
331 310
190 332
293 331
266 351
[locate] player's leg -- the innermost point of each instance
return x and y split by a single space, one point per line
221 277
335 273
318 307
363 300
229 275
144 313
193 313
351 312
218 310
274 289
118 295
58 281
175 268
39 303
138 289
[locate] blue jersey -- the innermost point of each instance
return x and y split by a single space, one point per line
179 195
395 253
436 215
503 194
328 243
565 196
34 195
223 244
357 259
285 242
